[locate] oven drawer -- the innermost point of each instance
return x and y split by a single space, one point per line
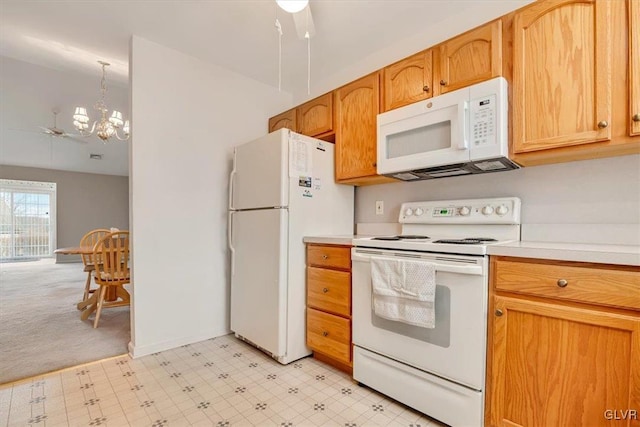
329 335
329 290
329 256
589 283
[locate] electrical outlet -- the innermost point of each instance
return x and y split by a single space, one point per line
379 207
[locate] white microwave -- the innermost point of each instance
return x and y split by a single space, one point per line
459 133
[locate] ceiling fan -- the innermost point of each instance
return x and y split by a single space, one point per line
56 132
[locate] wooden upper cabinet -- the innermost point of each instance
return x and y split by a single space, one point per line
357 107
408 81
634 66
561 74
473 57
315 117
283 120
554 365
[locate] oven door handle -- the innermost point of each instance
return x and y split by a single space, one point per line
475 270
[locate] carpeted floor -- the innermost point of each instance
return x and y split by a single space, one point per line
40 327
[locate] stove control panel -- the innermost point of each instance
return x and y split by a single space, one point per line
504 210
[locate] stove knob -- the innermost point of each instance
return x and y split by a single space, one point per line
408 212
487 210
419 212
501 210
464 211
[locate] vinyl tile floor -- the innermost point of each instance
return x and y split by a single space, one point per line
220 382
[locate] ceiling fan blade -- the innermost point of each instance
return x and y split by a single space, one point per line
74 139
46 130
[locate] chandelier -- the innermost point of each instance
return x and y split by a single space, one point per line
105 128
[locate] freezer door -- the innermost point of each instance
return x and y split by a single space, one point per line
260 176
259 277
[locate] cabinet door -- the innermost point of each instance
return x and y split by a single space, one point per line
634 66
555 365
408 81
357 107
283 120
316 116
561 74
472 57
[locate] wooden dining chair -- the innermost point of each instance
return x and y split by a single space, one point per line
89 240
113 270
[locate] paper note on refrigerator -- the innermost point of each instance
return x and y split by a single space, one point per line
300 158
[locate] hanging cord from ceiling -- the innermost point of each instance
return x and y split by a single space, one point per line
279 30
308 37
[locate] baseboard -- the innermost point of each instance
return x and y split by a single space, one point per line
139 351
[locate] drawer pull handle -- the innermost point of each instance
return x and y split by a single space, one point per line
325 334
636 118
325 257
562 283
498 312
325 290
603 124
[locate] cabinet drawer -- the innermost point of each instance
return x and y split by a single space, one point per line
592 284
329 290
329 335
329 256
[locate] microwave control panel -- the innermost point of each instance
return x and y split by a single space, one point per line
483 121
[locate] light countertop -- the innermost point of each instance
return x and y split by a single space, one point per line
330 240
581 252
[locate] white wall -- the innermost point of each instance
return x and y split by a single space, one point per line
186 116
586 201
29 92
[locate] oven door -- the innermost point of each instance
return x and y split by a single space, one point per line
425 134
455 349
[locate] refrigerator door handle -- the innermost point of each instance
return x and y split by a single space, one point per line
230 242
232 176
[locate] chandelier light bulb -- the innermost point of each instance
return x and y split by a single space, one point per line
292 6
105 127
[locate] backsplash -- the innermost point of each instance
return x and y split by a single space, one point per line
591 201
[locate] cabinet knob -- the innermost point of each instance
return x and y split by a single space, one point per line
325 290
636 118
603 124
325 257
325 334
498 312
562 283
425 89
443 83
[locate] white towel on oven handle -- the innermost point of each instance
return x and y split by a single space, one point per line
404 290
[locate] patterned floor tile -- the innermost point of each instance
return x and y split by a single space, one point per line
221 382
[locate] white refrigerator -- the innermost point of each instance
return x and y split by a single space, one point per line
281 189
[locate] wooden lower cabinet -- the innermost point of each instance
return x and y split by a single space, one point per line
329 304
557 363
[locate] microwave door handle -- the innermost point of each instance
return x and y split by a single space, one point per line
463 112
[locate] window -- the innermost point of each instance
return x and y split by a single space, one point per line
27 219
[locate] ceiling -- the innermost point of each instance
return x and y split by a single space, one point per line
61 40
237 34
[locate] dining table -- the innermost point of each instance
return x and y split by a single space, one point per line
112 294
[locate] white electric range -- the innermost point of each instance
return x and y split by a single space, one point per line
439 371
